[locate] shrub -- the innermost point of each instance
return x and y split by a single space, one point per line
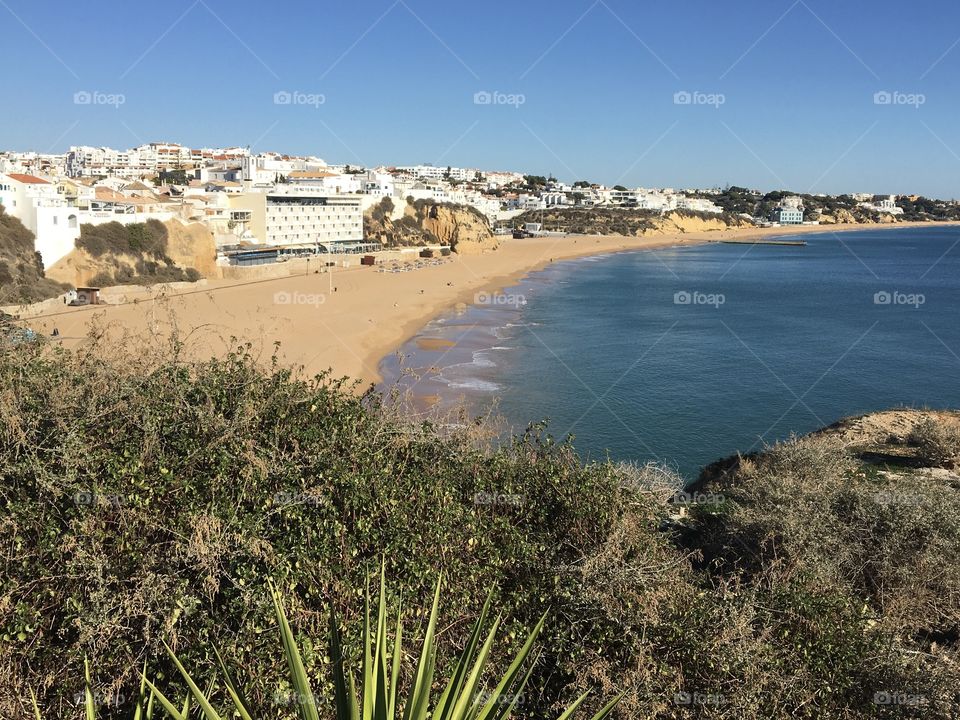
147 498
937 441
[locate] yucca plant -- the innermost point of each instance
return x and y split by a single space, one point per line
377 699
461 699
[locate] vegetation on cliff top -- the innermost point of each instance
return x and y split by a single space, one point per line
614 221
150 499
137 254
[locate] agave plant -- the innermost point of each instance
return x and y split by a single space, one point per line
461 699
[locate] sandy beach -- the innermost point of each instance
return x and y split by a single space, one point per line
350 320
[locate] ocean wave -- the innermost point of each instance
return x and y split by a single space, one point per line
476 384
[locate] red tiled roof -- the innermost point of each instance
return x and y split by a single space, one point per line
27 179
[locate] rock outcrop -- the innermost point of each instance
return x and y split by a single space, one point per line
188 252
422 222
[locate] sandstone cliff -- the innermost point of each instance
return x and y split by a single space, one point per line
118 255
427 223
627 222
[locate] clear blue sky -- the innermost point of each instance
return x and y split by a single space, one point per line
398 80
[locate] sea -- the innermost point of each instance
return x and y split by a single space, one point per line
690 354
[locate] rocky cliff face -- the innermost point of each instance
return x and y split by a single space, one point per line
627 222
422 222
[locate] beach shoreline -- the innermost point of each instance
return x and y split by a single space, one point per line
350 322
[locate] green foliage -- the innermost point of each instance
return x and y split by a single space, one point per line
149 238
148 499
145 242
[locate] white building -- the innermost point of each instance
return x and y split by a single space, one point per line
291 216
886 205
429 172
43 211
789 212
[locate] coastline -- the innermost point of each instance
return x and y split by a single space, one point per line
610 245
368 315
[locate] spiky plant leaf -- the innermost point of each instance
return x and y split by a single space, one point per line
419 699
298 674
89 703
455 684
506 684
171 709
345 697
236 695
208 711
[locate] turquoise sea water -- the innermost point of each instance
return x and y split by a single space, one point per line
690 354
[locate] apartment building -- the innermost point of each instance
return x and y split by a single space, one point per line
300 217
43 211
429 172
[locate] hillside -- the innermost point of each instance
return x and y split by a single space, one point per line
22 279
626 221
138 254
831 209
424 222
149 500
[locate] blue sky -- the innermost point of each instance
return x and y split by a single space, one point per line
782 92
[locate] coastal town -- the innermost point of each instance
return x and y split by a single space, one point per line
260 208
